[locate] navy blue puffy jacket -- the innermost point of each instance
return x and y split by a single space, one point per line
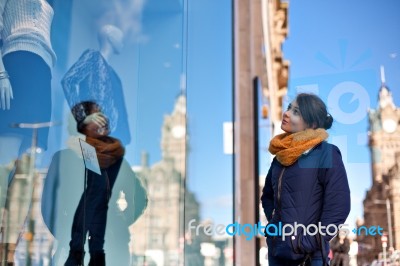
314 189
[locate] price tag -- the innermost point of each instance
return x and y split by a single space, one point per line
90 157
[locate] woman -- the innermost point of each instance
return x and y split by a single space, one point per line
103 218
306 184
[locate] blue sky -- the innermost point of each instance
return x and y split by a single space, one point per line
331 42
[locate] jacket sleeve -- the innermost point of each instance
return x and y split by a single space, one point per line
267 198
336 199
336 202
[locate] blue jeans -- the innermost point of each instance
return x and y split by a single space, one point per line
91 216
316 262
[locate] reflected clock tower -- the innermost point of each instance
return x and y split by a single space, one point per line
174 136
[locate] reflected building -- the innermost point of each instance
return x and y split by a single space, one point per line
158 236
384 142
36 240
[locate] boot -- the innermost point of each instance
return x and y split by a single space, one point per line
75 258
97 259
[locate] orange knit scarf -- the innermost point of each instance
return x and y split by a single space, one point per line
108 150
288 147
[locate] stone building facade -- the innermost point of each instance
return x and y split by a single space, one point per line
384 142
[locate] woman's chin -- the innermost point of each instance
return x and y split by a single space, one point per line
285 128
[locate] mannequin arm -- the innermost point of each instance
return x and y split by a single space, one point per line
6 93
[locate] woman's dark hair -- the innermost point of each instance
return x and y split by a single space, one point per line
81 110
313 110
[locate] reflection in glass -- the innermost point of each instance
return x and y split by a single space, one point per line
73 215
91 78
142 102
25 97
158 237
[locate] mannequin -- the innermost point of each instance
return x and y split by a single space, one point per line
91 78
25 90
25 96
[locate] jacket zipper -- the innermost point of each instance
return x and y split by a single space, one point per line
279 205
108 190
280 189
279 202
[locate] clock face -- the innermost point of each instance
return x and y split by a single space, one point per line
178 131
389 125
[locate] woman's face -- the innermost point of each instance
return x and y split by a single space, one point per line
97 125
292 121
93 130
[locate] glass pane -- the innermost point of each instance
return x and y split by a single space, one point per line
122 89
209 194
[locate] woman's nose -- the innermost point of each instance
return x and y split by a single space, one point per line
286 114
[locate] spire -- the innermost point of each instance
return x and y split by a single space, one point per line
385 95
144 158
383 81
183 84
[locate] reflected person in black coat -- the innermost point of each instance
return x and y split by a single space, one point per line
63 192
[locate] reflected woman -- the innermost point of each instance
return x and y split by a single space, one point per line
306 184
93 213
